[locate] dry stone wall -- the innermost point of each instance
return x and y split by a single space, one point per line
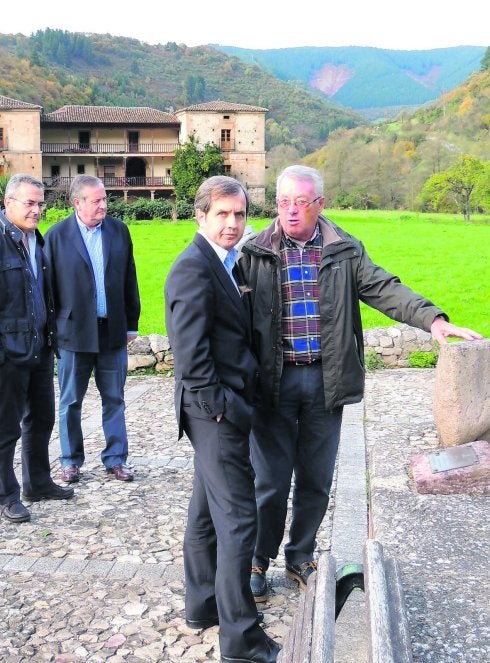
392 345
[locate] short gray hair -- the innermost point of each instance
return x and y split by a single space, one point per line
21 178
302 174
80 182
215 187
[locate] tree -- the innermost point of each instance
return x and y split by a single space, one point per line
485 63
192 165
3 184
194 90
458 185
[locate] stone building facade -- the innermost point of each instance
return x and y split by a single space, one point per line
239 131
20 141
130 149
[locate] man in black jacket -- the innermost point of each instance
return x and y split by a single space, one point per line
306 277
97 311
208 325
27 343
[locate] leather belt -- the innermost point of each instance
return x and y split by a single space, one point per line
303 363
101 321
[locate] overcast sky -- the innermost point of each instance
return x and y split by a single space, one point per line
418 24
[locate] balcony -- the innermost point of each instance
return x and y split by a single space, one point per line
108 148
115 182
227 145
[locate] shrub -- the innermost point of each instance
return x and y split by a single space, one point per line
420 359
372 361
55 214
184 209
118 207
142 209
266 211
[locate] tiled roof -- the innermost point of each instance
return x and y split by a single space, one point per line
223 107
109 115
10 104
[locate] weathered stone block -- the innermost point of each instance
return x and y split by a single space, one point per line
140 361
158 343
140 346
462 392
473 479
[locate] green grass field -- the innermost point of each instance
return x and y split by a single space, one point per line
439 256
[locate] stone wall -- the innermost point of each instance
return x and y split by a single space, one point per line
394 344
391 344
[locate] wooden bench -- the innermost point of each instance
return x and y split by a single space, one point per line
312 635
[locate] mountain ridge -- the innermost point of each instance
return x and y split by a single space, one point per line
366 77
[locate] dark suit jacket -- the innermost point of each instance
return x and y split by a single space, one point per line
209 328
74 285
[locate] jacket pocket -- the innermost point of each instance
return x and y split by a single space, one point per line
14 337
63 323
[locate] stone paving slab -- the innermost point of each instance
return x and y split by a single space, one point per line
440 541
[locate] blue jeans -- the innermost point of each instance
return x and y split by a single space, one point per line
299 436
74 371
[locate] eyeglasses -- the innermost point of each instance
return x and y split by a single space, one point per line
30 203
302 203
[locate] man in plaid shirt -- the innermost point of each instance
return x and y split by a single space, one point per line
306 277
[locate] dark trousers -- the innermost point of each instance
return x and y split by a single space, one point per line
220 534
26 412
299 436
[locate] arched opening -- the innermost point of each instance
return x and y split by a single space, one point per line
135 167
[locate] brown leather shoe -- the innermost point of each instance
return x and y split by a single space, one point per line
70 473
300 572
121 472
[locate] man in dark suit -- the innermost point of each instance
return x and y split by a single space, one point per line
209 328
97 310
27 343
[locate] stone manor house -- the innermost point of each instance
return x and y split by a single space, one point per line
130 149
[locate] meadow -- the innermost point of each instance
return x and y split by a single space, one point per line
438 255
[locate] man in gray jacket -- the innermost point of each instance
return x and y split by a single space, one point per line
307 277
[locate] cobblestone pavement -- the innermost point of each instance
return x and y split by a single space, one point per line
100 577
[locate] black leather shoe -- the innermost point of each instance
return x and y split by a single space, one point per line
121 472
300 572
70 473
202 623
209 623
52 492
15 512
258 584
258 654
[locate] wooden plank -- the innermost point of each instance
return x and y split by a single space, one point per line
307 629
298 628
377 604
323 637
400 631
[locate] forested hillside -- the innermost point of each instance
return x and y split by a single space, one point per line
386 165
54 67
374 81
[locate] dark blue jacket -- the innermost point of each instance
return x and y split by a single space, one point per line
74 285
209 329
20 340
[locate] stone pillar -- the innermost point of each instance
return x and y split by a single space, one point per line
462 392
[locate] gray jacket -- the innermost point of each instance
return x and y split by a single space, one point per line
346 276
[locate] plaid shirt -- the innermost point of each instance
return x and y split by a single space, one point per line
300 307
